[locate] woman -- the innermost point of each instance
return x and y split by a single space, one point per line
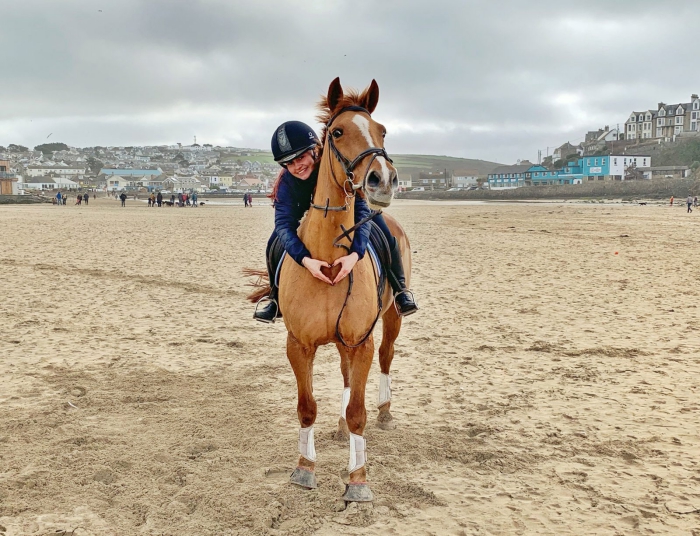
295 147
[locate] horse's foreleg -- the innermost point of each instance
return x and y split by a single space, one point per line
391 326
342 433
360 361
302 358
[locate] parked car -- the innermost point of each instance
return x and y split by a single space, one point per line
419 189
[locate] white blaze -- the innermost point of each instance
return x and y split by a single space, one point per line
363 124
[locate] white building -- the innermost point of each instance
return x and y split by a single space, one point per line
39 170
48 183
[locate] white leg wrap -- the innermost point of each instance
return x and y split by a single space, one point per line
344 402
358 454
384 389
306 443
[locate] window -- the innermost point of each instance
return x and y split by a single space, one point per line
662 112
596 162
679 120
677 130
660 121
602 162
640 118
614 161
658 132
694 126
694 115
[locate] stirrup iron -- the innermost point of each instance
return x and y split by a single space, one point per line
263 300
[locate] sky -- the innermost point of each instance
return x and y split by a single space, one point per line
492 80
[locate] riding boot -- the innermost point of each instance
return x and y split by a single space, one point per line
403 298
271 310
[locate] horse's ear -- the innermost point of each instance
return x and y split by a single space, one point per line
372 96
335 94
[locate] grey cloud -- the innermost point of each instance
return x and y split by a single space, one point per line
492 80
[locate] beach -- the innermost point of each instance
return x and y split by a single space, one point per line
547 385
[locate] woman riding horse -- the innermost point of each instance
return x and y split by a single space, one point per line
295 147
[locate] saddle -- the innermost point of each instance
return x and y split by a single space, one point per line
378 248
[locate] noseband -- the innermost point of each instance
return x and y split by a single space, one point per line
349 186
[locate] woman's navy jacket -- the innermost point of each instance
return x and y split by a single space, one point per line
293 200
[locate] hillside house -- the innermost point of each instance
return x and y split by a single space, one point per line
463 178
665 122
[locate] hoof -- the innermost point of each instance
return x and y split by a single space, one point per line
342 433
385 421
303 478
358 493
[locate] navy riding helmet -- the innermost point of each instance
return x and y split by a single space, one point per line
292 139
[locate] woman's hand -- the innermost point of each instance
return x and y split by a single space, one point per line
347 263
314 266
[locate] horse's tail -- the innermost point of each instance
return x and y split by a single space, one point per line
261 284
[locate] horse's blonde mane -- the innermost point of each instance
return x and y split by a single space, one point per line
351 97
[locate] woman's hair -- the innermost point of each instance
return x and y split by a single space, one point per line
276 185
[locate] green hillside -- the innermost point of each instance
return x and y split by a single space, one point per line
682 152
415 163
405 163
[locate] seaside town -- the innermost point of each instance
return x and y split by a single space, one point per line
619 153
166 169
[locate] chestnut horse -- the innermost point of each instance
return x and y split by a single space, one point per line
353 162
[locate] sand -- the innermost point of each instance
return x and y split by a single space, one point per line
547 386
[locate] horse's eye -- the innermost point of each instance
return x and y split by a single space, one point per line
337 133
384 134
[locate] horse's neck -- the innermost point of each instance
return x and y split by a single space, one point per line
320 230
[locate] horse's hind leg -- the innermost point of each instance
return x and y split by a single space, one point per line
342 433
302 359
391 326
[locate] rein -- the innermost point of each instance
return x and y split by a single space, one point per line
378 283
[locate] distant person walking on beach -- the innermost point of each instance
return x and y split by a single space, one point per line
159 199
689 202
695 201
172 199
194 199
250 200
671 200
59 198
245 200
79 199
86 197
123 198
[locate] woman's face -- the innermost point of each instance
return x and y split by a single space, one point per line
302 166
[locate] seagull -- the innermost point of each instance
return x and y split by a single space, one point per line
47 137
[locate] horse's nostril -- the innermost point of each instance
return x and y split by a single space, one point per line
373 179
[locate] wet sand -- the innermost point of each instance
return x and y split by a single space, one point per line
547 386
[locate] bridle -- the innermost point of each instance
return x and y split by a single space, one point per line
349 187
